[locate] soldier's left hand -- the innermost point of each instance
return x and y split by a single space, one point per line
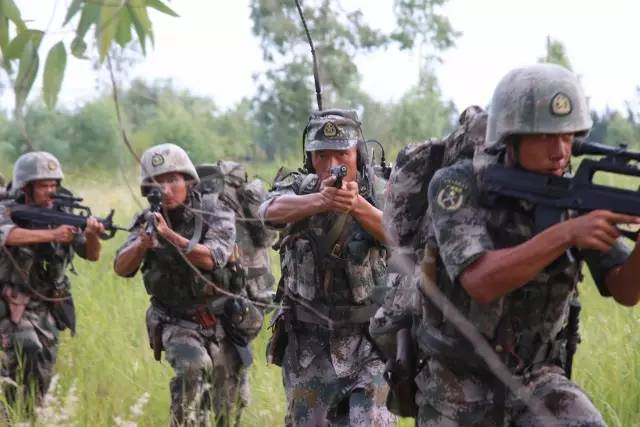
93 227
341 200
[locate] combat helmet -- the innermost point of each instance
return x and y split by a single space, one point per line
35 166
333 129
165 158
541 98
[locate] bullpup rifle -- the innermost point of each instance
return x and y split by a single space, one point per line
553 195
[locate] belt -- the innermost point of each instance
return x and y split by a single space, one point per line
339 315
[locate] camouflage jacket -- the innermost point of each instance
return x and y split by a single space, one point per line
529 322
42 267
354 282
168 279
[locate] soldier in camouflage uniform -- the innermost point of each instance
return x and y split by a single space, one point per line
332 262
36 302
514 286
191 243
254 242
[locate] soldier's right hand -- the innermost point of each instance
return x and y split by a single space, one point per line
64 233
338 200
597 229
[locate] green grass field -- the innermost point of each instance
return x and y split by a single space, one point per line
107 370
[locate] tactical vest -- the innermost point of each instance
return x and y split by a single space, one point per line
357 267
167 277
527 327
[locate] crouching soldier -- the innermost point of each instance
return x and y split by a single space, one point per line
36 301
183 244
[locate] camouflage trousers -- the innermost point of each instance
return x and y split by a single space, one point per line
29 352
318 396
208 374
447 399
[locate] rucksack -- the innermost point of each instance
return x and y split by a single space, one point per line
407 228
230 181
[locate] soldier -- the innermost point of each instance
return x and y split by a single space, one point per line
36 300
188 247
254 242
514 286
332 262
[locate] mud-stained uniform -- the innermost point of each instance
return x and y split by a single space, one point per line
527 327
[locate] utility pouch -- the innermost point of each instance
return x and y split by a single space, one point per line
277 343
64 311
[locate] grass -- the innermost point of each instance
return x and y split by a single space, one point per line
108 366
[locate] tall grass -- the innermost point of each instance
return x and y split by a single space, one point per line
109 369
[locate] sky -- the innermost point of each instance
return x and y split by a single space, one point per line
211 50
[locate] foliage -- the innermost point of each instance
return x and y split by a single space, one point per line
556 53
114 21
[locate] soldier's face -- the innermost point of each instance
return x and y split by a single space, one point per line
323 160
548 154
174 189
39 192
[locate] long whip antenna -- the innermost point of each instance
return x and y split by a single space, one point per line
316 77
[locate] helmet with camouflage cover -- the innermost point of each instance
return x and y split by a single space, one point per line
35 166
333 129
538 99
165 158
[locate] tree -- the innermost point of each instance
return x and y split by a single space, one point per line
284 96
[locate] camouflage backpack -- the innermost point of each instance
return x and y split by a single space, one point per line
229 179
407 229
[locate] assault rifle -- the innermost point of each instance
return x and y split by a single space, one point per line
338 172
62 213
553 195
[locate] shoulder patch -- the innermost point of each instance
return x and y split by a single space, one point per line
451 196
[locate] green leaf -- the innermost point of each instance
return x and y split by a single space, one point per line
78 48
72 11
140 31
27 71
53 74
90 14
106 29
123 33
9 9
158 5
17 45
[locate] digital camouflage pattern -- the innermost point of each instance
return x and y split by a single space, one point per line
332 130
540 98
254 241
527 327
408 228
197 355
330 376
34 166
29 331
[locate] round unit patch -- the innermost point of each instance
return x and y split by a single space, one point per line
157 160
329 130
52 165
560 104
451 197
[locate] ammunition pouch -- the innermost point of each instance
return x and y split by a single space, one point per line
231 277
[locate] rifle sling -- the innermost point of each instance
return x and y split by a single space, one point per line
197 231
